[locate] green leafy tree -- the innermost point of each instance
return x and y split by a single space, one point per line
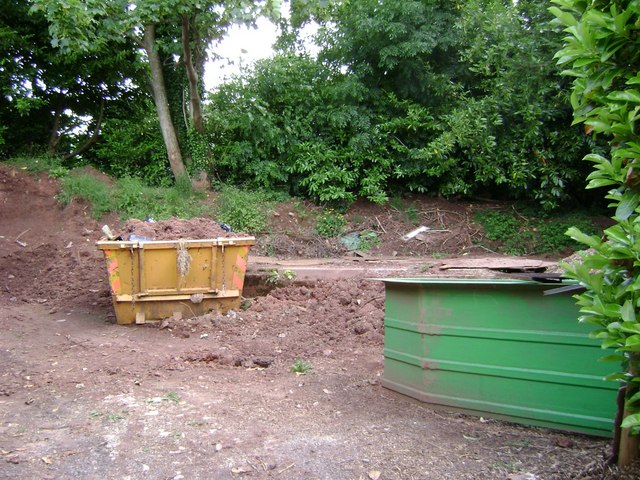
86 25
131 145
512 122
602 51
46 95
292 124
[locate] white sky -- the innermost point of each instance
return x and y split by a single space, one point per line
242 46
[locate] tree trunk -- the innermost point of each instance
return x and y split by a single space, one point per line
192 76
92 139
54 137
629 449
162 104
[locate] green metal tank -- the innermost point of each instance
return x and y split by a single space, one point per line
497 348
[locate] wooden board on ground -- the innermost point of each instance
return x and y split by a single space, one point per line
506 264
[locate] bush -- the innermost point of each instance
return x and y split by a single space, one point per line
330 224
133 147
538 233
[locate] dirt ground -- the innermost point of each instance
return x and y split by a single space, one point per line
213 397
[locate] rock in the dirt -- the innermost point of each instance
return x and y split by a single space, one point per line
262 362
563 442
522 476
361 328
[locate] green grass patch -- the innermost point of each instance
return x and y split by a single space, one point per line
134 199
90 189
243 210
40 164
131 198
512 233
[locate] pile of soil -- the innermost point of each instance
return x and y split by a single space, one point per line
176 229
452 231
47 253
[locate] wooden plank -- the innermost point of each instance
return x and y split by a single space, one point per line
498 263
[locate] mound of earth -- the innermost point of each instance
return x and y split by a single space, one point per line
176 229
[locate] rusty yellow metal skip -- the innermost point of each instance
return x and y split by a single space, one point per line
152 280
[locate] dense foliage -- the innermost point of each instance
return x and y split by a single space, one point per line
440 97
164 30
52 102
602 50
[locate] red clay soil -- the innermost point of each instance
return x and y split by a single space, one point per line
214 397
176 229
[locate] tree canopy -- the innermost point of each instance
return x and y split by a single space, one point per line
451 98
46 94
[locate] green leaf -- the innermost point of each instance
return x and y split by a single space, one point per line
612 358
612 343
627 206
615 376
628 313
600 182
594 157
632 340
625 96
634 398
614 326
565 17
631 421
630 327
591 241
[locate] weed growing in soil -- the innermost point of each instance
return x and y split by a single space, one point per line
89 189
276 278
112 417
172 397
330 224
301 367
368 240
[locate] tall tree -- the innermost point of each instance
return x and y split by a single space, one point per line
475 95
407 47
84 25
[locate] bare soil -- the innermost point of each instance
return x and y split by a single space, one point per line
213 397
